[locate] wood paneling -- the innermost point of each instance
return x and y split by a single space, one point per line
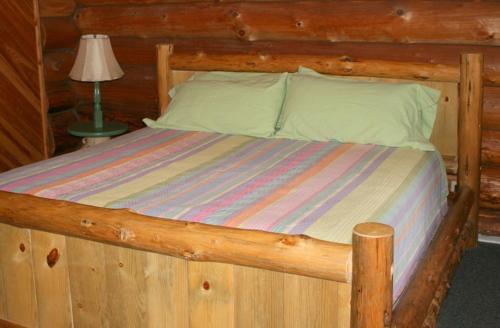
23 104
17 288
401 21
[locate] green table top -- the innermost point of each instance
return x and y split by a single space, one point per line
87 129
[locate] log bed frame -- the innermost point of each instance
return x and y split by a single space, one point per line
65 264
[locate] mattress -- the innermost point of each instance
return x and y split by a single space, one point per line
321 189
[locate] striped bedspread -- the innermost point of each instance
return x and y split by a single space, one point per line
321 189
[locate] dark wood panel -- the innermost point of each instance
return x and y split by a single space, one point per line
56 8
335 21
59 33
23 133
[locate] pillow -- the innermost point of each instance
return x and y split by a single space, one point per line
226 102
319 107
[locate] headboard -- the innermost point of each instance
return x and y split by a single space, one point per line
457 131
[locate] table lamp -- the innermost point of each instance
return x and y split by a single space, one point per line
95 62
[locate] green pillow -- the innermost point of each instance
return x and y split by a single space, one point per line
319 107
226 102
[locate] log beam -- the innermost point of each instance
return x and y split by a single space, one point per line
295 254
372 258
469 130
337 21
337 65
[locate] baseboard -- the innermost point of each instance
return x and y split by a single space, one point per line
489 239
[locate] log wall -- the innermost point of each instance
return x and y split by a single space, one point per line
60 39
432 31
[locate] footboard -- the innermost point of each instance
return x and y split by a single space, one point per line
64 264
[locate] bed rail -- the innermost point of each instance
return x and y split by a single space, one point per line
296 254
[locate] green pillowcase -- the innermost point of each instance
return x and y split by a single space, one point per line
319 107
226 102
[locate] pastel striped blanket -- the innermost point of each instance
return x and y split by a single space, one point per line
321 189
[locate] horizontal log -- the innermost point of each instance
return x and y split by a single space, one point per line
489 222
338 65
56 8
491 108
336 21
441 259
490 149
490 187
60 94
135 51
295 254
59 33
58 64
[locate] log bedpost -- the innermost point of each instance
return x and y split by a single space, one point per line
371 302
469 132
164 75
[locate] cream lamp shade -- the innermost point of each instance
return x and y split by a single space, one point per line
95 60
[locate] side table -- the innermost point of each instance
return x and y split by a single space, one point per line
94 135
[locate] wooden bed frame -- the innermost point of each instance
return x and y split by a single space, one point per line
65 264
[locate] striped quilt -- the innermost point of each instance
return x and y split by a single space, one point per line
321 189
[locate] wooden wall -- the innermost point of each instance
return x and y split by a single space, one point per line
431 31
23 106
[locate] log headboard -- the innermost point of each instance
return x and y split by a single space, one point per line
457 131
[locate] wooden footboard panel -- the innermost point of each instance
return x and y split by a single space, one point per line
51 280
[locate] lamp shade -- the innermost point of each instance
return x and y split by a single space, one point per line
95 60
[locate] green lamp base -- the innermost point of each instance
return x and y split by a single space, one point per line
87 129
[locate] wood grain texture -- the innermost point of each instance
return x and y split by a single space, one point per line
372 260
23 121
259 296
310 302
402 21
469 130
211 295
17 287
52 282
489 222
490 187
296 254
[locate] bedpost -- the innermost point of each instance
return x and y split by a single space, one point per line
371 302
469 132
164 75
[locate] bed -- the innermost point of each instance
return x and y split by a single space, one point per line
65 264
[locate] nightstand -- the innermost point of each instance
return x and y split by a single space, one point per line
92 135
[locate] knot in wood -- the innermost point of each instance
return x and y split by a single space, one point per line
345 59
234 13
400 12
86 223
299 24
52 257
289 240
206 285
22 248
